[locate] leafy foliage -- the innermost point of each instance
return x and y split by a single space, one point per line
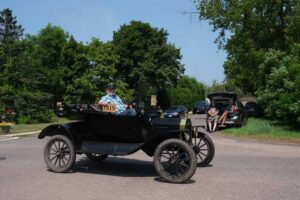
261 39
36 71
147 62
282 92
254 27
10 32
18 89
186 92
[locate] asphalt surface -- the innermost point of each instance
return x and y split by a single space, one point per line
240 170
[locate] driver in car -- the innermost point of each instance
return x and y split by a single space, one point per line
112 98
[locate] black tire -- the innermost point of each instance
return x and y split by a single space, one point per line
59 154
182 155
96 156
204 149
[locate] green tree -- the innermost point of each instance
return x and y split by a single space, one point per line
263 49
186 92
147 62
215 87
21 88
74 60
10 32
21 80
281 94
254 27
91 84
48 46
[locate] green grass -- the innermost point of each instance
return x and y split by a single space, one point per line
262 129
21 128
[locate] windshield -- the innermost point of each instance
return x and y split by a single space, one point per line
200 103
172 109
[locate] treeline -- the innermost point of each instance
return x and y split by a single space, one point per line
262 40
36 71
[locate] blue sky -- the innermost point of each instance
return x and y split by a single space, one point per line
99 18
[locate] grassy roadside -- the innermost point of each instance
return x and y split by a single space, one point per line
21 128
264 130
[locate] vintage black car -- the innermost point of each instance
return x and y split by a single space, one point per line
176 147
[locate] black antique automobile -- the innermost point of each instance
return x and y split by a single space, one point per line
176 148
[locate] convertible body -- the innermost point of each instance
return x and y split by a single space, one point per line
117 134
99 134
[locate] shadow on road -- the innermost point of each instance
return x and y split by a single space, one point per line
209 165
116 166
158 179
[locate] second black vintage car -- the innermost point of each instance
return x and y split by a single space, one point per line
176 147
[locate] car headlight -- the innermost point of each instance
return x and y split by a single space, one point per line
175 113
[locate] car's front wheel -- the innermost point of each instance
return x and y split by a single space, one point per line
175 161
59 154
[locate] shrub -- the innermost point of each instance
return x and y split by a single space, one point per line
281 94
36 117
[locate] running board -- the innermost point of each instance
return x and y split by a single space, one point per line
110 148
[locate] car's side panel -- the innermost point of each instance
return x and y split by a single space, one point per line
127 127
114 128
120 135
110 148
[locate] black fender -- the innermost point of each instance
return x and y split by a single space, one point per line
51 131
65 130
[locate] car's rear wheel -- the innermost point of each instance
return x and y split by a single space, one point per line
175 161
59 154
96 156
204 149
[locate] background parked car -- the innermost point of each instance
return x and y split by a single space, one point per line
176 112
201 107
254 109
223 100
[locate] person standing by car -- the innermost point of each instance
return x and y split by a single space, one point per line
112 98
212 118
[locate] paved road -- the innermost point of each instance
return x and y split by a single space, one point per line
240 170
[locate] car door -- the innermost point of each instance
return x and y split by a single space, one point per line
101 126
127 128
